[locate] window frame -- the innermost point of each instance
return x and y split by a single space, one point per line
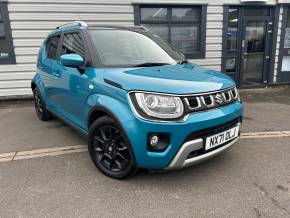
202 23
8 36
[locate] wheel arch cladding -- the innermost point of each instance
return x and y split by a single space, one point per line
33 85
119 112
95 113
101 105
37 82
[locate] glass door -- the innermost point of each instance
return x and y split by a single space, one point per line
247 50
254 52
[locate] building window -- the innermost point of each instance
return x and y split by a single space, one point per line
232 41
7 55
183 27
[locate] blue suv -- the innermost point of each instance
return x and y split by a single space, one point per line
139 102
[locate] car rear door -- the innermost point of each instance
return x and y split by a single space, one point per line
48 65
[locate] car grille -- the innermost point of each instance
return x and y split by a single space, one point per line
209 132
202 102
213 130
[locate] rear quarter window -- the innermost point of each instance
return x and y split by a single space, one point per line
51 46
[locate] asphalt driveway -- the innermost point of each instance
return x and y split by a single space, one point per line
250 180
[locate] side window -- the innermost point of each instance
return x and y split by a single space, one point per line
73 44
51 47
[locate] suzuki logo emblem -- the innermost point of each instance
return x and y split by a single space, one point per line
218 98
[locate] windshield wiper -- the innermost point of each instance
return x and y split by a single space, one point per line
149 64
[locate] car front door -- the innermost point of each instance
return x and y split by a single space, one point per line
74 83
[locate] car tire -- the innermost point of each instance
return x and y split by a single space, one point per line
110 149
40 107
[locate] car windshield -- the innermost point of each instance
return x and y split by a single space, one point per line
124 48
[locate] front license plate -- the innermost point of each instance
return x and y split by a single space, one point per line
221 138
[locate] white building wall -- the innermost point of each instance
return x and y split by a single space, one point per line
214 33
32 20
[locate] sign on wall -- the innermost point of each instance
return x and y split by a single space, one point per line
283 1
286 64
287 38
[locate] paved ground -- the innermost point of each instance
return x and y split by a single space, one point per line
250 180
267 109
21 130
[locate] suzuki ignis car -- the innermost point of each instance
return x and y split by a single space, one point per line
139 102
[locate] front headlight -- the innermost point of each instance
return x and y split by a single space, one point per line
158 106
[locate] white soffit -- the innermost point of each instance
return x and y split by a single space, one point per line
284 1
254 1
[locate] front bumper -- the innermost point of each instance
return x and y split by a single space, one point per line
182 159
195 129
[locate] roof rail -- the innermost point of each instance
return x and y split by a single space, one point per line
118 27
74 23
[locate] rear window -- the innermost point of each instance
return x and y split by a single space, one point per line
51 47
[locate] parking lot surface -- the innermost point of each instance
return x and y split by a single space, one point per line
251 179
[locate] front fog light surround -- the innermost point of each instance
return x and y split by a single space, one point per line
158 142
158 106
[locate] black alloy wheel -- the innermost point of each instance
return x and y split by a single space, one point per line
109 149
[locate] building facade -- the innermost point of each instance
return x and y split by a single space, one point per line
248 40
